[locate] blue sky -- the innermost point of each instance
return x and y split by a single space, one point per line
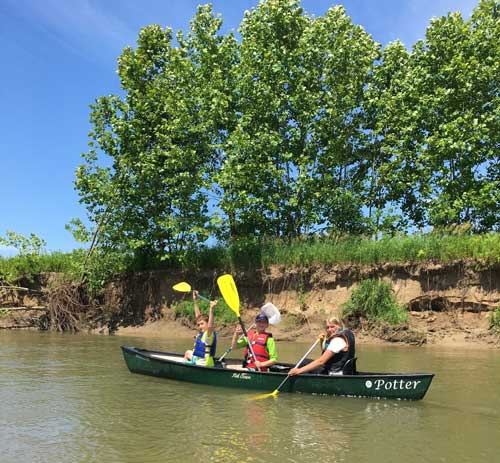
58 56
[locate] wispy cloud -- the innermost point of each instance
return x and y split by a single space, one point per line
83 26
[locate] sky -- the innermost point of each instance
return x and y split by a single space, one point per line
58 56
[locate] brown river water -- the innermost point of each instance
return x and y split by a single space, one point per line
70 398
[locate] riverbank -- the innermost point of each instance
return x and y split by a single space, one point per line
448 303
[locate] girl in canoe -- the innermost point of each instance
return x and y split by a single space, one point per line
338 348
262 342
205 344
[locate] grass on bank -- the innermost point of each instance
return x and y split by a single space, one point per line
399 249
246 254
495 321
222 313
374 300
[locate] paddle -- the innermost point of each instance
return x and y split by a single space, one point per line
229 292
273 315
276 391
184 287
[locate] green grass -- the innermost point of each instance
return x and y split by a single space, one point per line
495 321
401 249
15 268
375 300
251 254
223 314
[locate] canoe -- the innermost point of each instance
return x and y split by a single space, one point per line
409 386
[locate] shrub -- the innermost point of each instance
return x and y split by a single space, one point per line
223 314
495 321
374 300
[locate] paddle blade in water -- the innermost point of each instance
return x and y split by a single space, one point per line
265 396
229 292
183 287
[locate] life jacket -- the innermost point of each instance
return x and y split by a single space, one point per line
339 359
258 342
203 350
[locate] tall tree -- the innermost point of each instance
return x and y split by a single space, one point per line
443 170
162 138
291 163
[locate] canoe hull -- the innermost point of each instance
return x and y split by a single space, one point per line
380 385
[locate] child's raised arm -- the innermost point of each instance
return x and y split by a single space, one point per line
197 311
210 328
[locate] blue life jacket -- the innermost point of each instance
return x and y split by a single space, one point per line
201 349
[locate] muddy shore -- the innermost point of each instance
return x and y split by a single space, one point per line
468 331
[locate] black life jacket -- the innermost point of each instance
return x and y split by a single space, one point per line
337 362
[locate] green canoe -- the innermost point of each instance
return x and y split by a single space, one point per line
411 386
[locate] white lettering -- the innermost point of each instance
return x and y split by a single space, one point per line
393 384
241 376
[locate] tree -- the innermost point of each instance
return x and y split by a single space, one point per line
291 163
444 164
162 140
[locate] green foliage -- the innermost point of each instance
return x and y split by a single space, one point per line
162 138
29 258
291 146
366 251
104 264
495 321
375 300
305 124
31 246
435 124
222 314
17 267
289 163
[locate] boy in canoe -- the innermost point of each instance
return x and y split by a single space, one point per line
337 346
262 342
205 344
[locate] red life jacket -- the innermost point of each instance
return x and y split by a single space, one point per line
258 342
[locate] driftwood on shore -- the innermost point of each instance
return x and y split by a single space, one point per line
25 309
16 327
20 288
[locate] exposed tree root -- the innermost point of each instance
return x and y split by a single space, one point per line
69 308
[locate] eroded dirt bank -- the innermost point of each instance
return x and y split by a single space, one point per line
448 303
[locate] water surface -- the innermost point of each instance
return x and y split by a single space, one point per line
70 398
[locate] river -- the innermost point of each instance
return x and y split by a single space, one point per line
70 398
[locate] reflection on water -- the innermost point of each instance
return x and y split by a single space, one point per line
71 399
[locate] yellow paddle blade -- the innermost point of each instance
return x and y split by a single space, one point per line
265 396
229 292
183 287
